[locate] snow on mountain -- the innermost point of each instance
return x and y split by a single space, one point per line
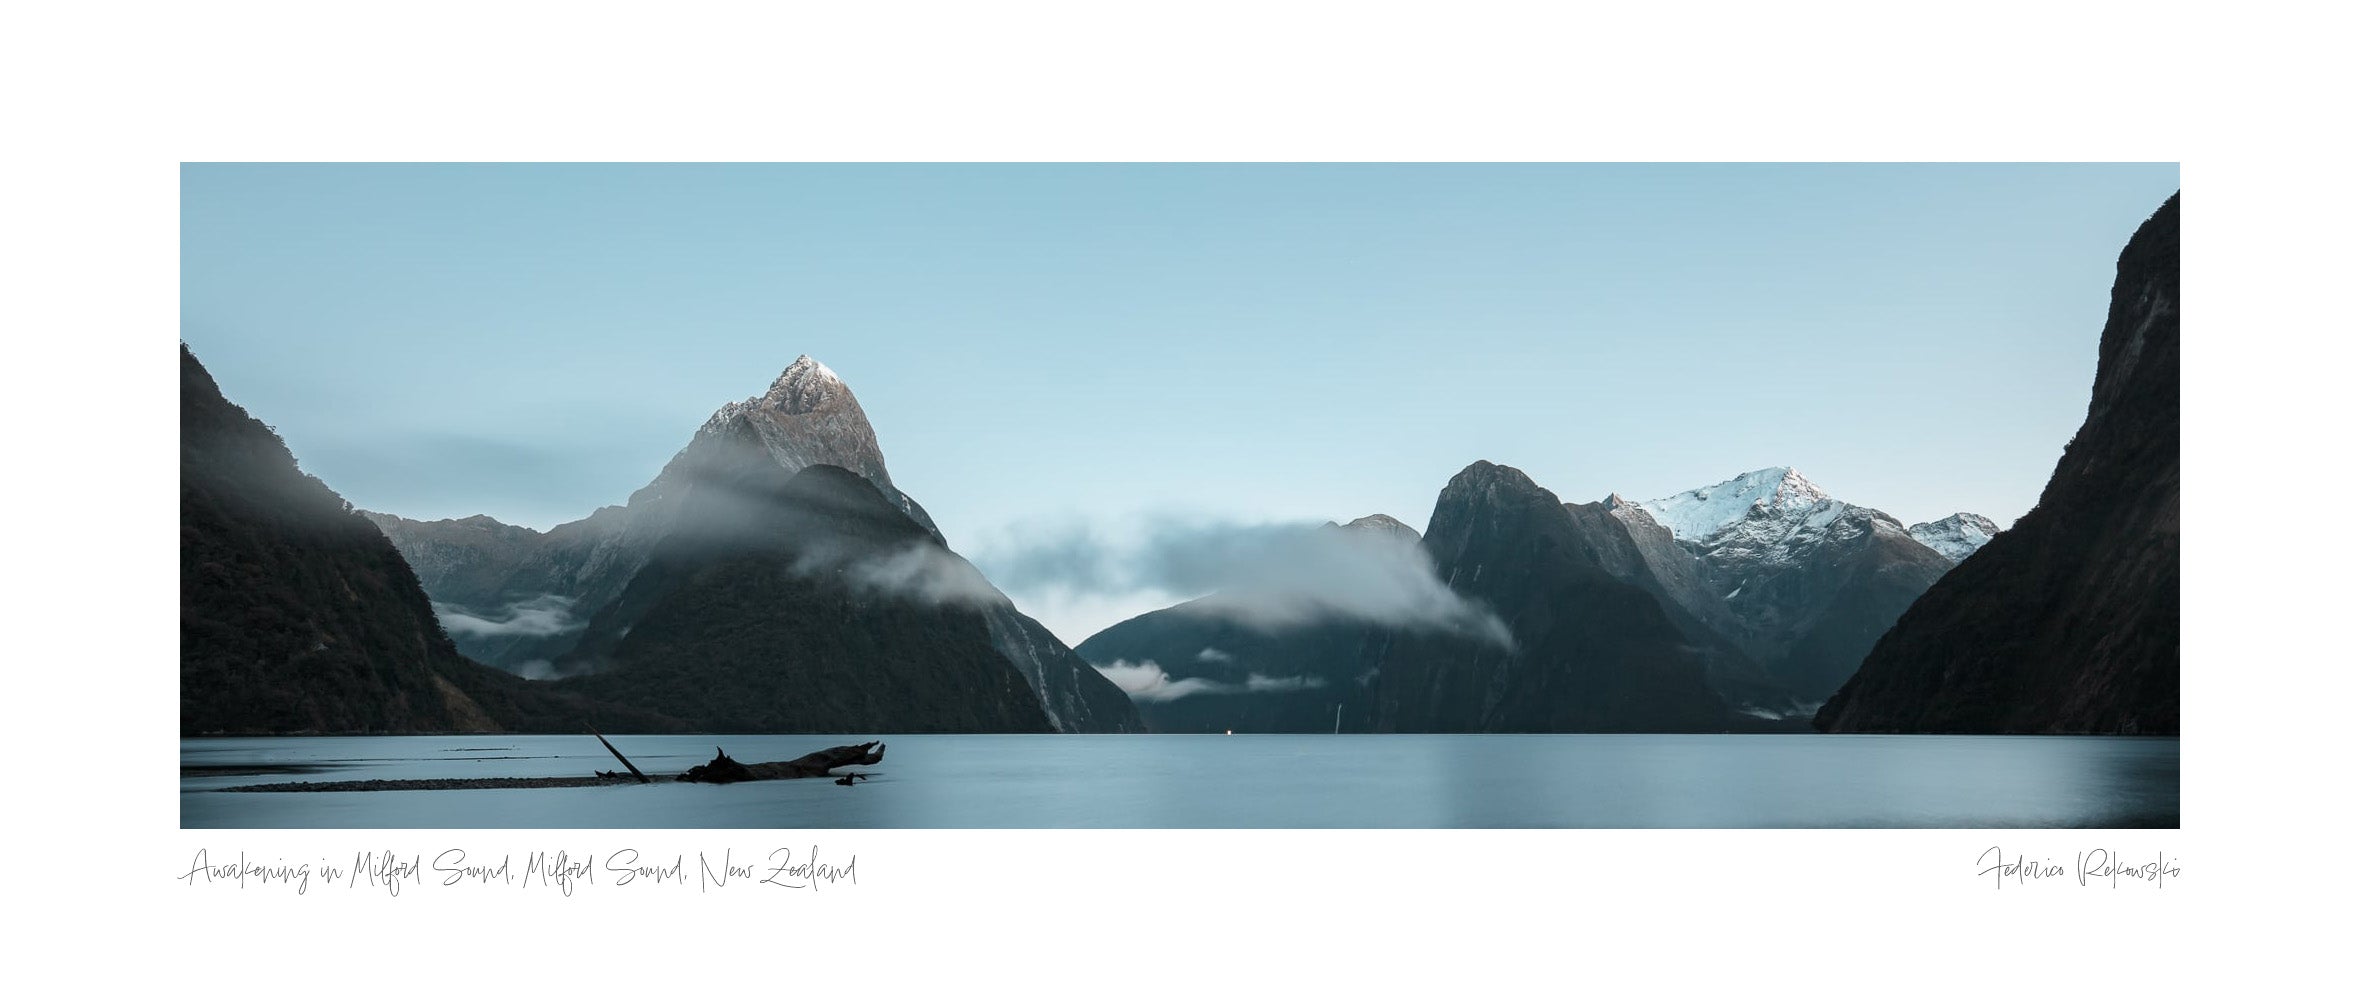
1810 579
1957 535
1761 511
1697 514
1767 513
808 417
1381 525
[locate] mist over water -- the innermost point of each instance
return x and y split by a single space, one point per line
1179 781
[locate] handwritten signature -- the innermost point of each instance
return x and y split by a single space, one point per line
2084 868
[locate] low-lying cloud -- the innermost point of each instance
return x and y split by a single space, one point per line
1147 681
1269 576
927 572
920 570
540 616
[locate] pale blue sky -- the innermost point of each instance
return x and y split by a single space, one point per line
1045 348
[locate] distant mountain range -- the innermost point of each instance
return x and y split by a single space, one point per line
1774 588
1759 603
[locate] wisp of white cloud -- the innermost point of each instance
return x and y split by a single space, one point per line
540 616
1147 681
927 572
1270 576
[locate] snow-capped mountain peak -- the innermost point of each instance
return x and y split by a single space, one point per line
807 417
1772 512
1381 525
808 363
805 386
1698 514
1955 536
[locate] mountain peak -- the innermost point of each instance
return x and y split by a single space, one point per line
1697 514
1787 482
1957 535
807 417
805 364
1975 520
1485 471
805 386
1485 488
1382 525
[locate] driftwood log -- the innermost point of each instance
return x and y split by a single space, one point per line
722 770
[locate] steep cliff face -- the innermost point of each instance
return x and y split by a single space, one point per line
1075 697
295 614
2067 622
1591 652
298 616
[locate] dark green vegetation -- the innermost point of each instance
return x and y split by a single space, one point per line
2069 621
297 615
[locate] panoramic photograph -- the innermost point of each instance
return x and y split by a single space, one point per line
1729 496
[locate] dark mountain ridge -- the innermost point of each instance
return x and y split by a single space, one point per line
1592 653
2068 621
298 616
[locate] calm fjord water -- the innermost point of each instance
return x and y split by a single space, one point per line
1617 781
